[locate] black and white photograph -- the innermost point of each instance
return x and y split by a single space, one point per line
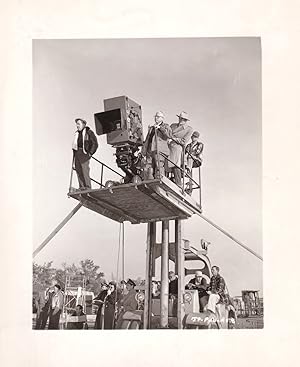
147 184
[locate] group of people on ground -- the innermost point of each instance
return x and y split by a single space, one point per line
113 302
163 150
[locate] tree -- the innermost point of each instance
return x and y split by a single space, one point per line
42 274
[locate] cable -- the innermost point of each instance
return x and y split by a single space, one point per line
231 237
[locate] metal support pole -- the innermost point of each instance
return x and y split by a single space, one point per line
72 169
164 291
151 239
181 272
183 168
57 229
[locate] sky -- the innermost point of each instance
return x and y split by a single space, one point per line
217 81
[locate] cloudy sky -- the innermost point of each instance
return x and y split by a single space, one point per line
216 80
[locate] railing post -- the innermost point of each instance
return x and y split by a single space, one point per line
200 187
71 177
157 154
101 179
183 168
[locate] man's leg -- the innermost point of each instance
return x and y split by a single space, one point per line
44 318
177 176
212 301
203 302
78 168
86 171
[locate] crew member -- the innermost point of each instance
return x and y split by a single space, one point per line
181 134
99 301
84 146
56 307
173 293
173 284
110 305
156 142
193 153
43 304
199 283
78 312
216 290
128 302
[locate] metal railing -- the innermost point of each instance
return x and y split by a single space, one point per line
103 166
184 173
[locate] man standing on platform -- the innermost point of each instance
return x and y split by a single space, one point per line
84 146
181 134
156 142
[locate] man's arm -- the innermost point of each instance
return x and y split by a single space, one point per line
220 286
94 142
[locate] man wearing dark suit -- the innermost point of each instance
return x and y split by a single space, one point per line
199 283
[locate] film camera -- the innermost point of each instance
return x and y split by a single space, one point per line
121 121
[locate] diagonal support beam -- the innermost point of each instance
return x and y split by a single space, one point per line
57 229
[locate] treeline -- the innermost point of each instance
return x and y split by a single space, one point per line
44 274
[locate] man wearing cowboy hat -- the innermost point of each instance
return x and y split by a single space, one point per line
199 283
181 134
156 142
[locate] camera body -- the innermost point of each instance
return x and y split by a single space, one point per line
121 121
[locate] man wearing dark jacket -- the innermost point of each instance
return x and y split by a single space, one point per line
84 146
216 290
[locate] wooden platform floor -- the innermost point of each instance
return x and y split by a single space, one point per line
149 201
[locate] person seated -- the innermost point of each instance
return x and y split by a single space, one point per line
216 290
77 325
199 283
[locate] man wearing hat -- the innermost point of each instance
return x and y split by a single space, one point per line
199 283
156 142
181 134
84 146
193 153
128 302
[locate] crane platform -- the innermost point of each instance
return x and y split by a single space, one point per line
148 201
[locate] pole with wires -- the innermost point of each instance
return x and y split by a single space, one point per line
231 237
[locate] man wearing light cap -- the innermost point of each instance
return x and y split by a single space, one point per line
156 142
181 134
199 283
